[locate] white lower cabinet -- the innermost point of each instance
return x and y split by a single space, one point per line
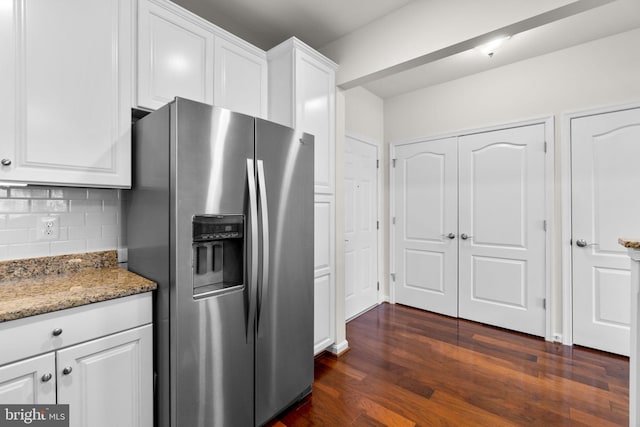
106 381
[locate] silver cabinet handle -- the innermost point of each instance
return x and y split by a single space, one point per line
5 162
450 235
57 332
67 370
583 243
465 236
46 377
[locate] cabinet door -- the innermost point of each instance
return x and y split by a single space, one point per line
30 381
324 297
8 19
108 382
175 56
315 114
72 77
240 79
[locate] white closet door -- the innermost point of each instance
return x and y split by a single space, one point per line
501 215
605 149
426 214
361 243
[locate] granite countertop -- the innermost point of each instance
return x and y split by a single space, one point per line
630 243
42 285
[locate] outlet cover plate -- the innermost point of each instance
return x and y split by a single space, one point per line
48 228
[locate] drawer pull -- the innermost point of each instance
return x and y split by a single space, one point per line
46 377
67 370
57 332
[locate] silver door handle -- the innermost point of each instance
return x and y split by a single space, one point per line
262 191
465 236
253 281
583 243
450 235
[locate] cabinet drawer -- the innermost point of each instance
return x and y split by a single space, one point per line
34 335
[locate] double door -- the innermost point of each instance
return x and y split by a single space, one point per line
469 232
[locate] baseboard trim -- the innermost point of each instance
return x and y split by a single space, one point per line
339 349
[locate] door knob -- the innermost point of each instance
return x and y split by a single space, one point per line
5 162
465 236
67 370
46 377
450 236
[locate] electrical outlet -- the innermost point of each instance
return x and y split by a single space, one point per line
48 228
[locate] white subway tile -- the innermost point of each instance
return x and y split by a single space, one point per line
31 250
4 253
102 194
70 219
110 243
112 230
68 247
25 220
4 192
10 237
102 218
25 193
3 221
69 193
49 206
88 232
17 205
85 205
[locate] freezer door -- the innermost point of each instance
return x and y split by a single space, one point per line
211 341
284 349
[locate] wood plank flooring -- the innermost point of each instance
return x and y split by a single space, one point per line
408 367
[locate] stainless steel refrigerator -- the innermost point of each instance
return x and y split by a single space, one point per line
220 215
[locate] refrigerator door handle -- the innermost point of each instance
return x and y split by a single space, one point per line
253 244
262 191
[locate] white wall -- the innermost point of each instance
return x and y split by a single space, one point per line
600 73
364 119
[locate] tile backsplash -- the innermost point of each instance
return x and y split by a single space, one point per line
87 220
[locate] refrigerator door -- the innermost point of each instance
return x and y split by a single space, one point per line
211 338
284 347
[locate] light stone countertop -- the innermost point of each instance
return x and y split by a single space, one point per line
41 285
630 243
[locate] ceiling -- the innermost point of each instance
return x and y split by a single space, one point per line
317 23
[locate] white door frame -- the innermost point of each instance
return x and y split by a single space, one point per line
548 122
567 232
379 205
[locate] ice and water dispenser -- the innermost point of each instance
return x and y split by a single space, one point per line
218 253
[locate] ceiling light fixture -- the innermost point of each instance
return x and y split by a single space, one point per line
490 47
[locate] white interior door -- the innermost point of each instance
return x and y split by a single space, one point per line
426 248
605 149
502 228
361 243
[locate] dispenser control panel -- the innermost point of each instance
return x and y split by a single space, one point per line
217 227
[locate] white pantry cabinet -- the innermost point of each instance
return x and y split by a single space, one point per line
96 358
66 85
181 54
302 96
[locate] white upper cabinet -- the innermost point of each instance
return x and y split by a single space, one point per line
240 78
302 95
175 55
181 54
66 85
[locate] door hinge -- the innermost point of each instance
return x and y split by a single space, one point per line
393 221
377 225
377 164
393 162
544 303
393 276
545 146
544 225
378 287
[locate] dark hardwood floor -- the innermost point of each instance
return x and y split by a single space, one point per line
408 367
